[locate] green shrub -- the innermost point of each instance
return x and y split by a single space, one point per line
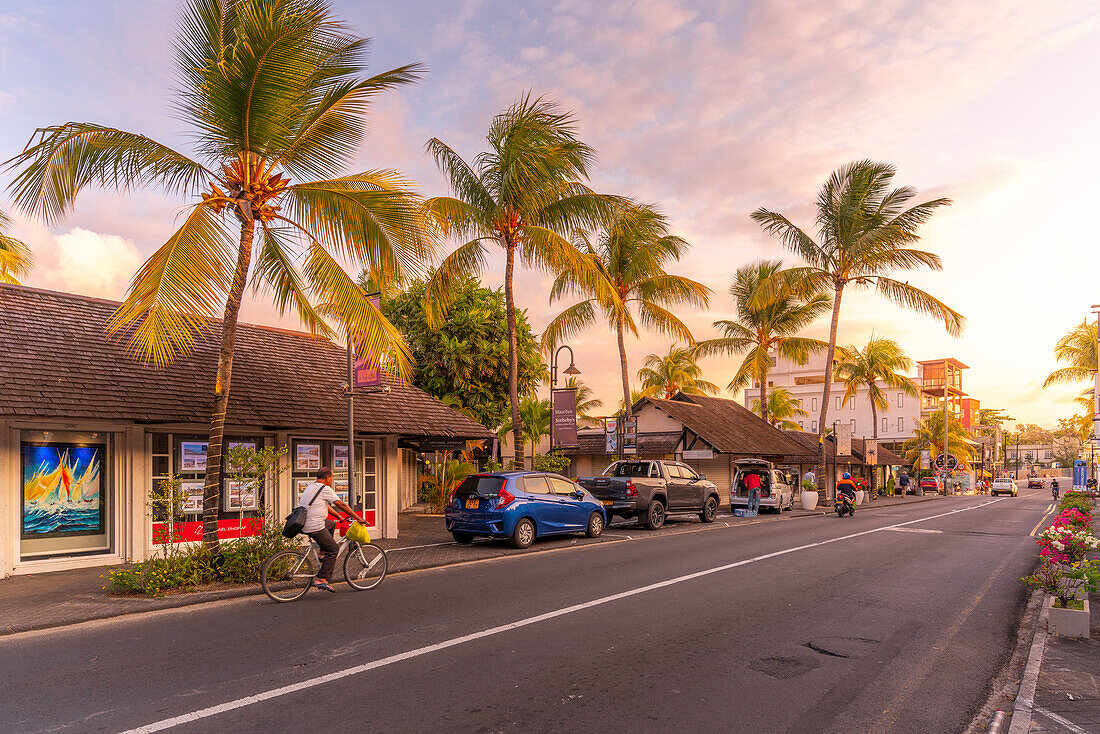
184 569
555 463
1078 500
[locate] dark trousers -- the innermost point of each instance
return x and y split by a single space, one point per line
329 549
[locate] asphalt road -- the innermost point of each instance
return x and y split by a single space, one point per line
809 625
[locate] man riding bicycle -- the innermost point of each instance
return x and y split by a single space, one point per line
317 498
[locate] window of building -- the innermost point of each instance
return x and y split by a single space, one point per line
801 426
886 424
852 405
813 402
901 400
814 427
853 424
837 402
307 455
901 425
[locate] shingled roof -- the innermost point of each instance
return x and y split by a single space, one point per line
728 426
60 363
594 443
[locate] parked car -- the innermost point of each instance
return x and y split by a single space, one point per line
1034 482
775 493
652 490
521 506
931 484
1003 485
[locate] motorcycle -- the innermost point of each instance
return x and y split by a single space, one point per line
1054 490
844 505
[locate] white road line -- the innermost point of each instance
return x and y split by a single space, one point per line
455 641
1062 721
915 530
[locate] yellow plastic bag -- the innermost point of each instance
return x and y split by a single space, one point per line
358 533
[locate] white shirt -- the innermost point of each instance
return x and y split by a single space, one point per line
318 511
810 476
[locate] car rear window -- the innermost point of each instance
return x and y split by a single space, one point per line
480 485
629 469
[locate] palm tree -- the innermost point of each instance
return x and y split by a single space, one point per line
274 91
520 195
865 232
677 371
765 328
880 363
628 258
929 437
1077 348
635 396
15 257
536 416
586 400
782 406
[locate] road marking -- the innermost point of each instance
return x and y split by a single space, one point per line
1060 720
915 530
455 641
1050 509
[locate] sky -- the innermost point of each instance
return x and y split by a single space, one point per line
708 110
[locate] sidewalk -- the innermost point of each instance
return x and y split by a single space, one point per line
61 598
1065 672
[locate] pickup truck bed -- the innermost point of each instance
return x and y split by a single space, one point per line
651 490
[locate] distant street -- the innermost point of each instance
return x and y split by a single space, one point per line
894 620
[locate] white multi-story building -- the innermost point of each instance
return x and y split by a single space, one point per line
805 382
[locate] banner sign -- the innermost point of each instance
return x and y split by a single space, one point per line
870 451
844 439
630 436
699 454
564 404
368 371
1080 474
440 443
611 436
925 459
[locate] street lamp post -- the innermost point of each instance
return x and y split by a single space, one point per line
570 370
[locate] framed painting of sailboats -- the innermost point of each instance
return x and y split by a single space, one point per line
63 490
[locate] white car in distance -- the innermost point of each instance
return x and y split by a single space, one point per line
1003 485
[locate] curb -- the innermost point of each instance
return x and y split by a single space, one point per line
1025 700
205 597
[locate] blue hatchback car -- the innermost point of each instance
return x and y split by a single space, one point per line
521 506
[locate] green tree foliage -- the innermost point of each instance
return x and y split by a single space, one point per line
536 415
15 257
929 436
1033 433
1077 350
275 94
525 195
628 275
992 418
664 375
881 363
465 361
782 407
866 231
764 328
586 400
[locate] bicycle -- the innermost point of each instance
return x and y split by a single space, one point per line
288 575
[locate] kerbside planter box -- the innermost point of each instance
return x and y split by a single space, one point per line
1067 622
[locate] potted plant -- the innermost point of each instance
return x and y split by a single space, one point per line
808 497
1064 573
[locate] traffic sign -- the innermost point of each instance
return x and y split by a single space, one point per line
947 461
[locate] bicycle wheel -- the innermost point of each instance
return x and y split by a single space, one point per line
286 576
365 566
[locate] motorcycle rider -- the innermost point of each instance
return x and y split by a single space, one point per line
1054 488
847 488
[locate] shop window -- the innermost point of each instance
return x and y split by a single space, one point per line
309 455
67 498
241 510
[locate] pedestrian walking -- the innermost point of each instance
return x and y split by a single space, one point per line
903 484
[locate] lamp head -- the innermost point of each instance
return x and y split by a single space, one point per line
572 369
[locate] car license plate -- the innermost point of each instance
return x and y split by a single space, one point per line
607 503
471 504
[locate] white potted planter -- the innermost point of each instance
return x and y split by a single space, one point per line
1067 622
808 499
859 496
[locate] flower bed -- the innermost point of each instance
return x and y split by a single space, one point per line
1065 571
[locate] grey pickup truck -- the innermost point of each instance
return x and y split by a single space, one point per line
651 490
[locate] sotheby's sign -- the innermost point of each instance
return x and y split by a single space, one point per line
564 404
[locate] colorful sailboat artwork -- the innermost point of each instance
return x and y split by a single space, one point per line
62 490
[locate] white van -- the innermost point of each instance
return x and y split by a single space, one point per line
775 493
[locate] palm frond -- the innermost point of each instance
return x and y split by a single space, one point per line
275 268
60 161
568 324
178 289
914 298
15 257
468 259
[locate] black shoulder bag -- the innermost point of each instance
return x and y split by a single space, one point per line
296 520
